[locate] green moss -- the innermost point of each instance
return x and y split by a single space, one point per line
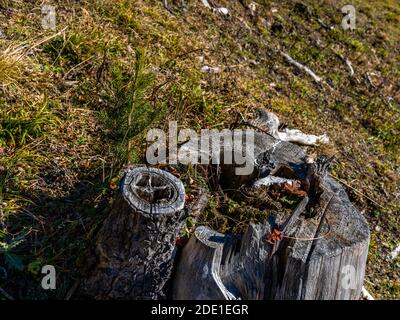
357 45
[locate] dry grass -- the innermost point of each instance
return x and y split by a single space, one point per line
13 67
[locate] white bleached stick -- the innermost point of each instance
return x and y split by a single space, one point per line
290 135
220 10
348 63
295 135
366 295
302 67
206 4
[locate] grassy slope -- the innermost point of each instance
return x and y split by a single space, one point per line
65 101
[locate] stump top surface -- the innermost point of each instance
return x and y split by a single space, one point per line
153 191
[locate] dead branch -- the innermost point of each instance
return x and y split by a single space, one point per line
366 295
346 61
302 67
270 122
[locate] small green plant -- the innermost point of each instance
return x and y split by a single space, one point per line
132 113
189 225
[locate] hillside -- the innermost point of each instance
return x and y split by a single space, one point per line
76 104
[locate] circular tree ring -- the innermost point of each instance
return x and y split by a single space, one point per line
153 191
136 245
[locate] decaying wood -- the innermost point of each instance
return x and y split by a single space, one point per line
312 256
204 251
136 244
270 181
290 222
294 272
314 182
270 155
211 261
270 122
200 203
306 254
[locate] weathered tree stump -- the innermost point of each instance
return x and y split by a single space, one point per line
136 244
317 252
320 256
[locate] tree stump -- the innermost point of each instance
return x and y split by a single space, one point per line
322 256
136 244
317 252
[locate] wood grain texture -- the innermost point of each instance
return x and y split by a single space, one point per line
136 244
312 261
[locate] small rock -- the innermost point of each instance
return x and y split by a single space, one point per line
378 229
223 11
209 69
